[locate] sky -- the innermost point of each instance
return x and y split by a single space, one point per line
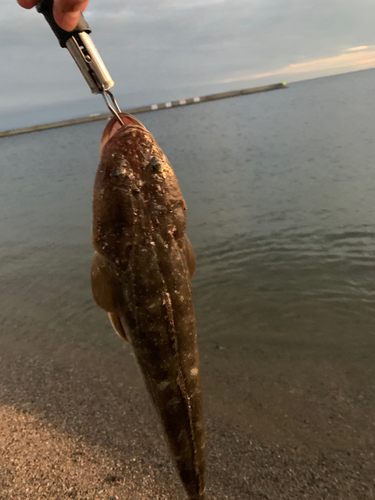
159 50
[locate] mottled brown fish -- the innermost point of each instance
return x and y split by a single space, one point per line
141 275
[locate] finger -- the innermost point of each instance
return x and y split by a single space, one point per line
27 4
67 12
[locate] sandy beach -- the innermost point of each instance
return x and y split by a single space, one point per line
76 422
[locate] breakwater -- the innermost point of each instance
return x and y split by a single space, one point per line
145 109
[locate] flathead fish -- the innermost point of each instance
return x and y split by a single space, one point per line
140 275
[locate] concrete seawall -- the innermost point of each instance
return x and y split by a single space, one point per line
144 109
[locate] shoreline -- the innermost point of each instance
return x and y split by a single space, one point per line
144 109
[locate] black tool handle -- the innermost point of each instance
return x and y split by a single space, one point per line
45 8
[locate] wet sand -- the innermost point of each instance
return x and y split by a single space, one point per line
76 422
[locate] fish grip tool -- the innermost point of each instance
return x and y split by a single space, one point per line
85 54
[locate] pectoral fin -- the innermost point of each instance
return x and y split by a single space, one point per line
107 290
105 284
118 327
189 256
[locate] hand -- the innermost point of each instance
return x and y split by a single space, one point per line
65 12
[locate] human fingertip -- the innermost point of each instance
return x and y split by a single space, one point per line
27 4
66 20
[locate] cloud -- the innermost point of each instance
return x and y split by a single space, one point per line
169 47
358 49
355 59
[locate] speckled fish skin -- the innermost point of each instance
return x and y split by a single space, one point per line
140 275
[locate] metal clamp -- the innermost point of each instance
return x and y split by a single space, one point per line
84 53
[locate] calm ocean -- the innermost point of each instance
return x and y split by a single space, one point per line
280 189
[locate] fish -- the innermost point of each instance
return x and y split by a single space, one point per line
141 276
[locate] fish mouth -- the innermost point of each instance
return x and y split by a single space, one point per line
114 125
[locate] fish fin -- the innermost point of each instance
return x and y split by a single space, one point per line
189 253
105 284
118 327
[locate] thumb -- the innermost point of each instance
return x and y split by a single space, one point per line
67 12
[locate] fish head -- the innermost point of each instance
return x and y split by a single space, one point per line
114 125
136 193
